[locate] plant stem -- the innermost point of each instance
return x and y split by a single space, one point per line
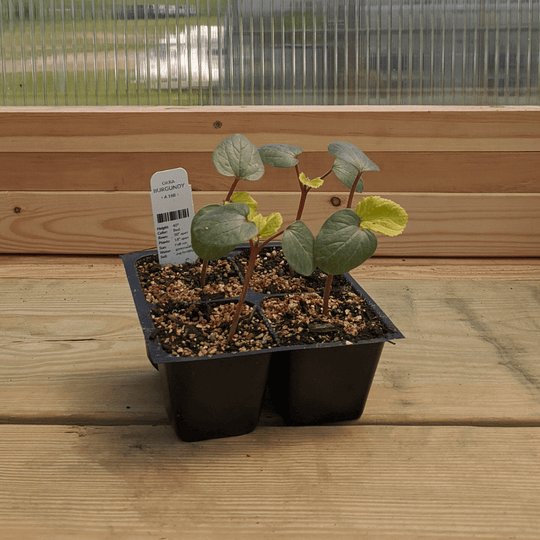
325 174
203 272
231 191
249 271
268 240
353 189
301 204
326 296
253 252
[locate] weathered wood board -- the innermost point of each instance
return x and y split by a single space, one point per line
72 350
440 225
200 129
430 172
379 268
373 482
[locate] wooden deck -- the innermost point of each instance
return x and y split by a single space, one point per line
449 444
448 447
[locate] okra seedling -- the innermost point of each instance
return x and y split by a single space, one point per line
345 240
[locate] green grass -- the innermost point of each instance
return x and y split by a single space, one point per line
52 42
93 90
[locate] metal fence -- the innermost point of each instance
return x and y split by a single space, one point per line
227 52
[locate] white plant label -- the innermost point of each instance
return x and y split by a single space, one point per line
172 206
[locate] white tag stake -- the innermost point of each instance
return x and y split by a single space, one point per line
172 206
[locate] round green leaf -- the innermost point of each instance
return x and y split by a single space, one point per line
237 156
341 244
297 244
352 155
280 155
217 230
382 216
347 174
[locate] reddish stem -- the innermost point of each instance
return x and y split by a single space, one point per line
268 240
254 251
231 191
249 271
325 174
301 204
353 189
326 296
203 272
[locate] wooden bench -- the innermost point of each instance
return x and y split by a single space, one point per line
449 443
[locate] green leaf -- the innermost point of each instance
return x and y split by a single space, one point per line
217 229
280 155
246 198
347 174
268 225
237 156
315 183
382 216
341 244
352 155
297 245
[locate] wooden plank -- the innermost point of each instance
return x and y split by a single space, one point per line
373 482
72 350
81 343
440 172
379 268
200 129
440 225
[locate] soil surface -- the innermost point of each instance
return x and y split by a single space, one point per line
298 318
273 274
182 283
187 325
202 329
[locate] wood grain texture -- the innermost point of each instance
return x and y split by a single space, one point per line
440 225
374 482
167 129
73 351
438 172
379 268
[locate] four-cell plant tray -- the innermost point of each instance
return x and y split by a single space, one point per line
221 395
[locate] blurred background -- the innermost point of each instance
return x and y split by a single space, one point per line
270 52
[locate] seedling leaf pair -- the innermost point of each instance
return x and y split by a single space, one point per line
267 225
345 240
340 245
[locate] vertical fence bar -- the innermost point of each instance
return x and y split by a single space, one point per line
3 49
33 52
272 55
304 55
325 53
315 68
75 52
518 55
23 83
537 51
85 52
